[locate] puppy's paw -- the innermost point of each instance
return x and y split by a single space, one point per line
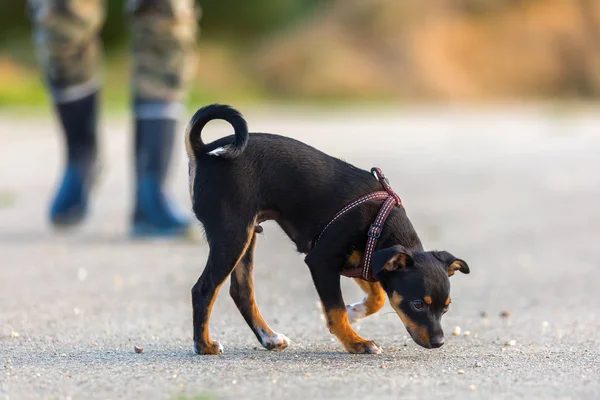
277 341
211 348
356 311
364 347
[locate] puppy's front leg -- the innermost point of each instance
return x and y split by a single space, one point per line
373 301
327 283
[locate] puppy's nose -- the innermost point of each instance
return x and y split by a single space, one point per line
437 341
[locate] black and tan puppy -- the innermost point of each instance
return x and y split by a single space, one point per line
239 181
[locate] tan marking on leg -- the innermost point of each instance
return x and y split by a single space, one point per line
242 275
338 324
427 299
375 299
209 346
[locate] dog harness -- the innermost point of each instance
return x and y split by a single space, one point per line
391 200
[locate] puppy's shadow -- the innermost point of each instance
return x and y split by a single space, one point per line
181 358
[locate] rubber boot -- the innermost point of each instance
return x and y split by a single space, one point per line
79 121
154 214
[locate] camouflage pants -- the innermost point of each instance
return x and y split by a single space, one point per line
66 35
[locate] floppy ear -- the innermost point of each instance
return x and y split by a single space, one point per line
453 264
391 259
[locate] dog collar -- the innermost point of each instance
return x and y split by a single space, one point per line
374 232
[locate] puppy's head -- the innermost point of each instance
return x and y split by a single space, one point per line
418 288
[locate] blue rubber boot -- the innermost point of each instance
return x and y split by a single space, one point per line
154 214
70 204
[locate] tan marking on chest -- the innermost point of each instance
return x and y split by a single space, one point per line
355 258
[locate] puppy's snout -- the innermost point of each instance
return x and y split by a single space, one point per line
437 341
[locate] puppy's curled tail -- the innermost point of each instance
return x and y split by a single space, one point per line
193 139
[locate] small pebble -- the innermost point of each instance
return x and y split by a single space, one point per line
503 349
461 371
511 342
473 388
138 349
307 374
8 361
15 335
383 366
392 348
174 376
505 314
483 314
456 331
233 382
478 364
467 333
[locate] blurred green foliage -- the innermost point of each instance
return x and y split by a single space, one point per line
238 21
234 24
351 49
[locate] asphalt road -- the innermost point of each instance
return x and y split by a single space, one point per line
514 191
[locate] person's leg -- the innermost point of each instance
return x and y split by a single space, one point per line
164 52
68 47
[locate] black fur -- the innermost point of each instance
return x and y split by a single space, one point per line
204 115
263 177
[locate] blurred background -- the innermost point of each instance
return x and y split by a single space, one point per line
482 113
355 50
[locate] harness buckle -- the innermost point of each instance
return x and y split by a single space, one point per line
376 172
375 231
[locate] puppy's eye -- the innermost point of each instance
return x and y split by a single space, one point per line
418 305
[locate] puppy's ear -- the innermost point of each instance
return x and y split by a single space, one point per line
391 259
452 263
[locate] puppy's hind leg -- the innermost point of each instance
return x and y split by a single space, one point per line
242 292
227 244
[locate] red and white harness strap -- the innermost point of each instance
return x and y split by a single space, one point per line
391 200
